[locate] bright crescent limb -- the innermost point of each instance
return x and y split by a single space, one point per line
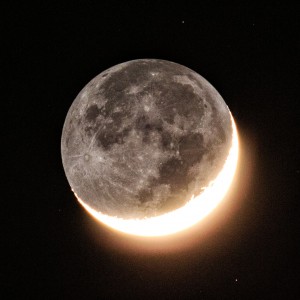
191 213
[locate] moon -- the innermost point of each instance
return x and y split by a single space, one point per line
149 147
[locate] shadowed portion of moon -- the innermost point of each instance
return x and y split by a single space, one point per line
143 137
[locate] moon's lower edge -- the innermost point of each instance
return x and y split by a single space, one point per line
188 215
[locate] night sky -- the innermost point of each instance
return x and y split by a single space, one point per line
247 248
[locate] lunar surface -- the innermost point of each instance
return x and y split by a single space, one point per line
145 137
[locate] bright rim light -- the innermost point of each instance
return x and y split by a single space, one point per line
191 213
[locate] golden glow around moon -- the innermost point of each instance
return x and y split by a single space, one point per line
191 213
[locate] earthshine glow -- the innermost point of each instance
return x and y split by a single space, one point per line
188 215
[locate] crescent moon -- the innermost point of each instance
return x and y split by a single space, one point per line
184 217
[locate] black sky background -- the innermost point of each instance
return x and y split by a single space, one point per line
247 249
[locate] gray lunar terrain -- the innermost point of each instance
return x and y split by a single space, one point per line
144 136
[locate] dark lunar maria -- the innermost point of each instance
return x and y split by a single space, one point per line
144 136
